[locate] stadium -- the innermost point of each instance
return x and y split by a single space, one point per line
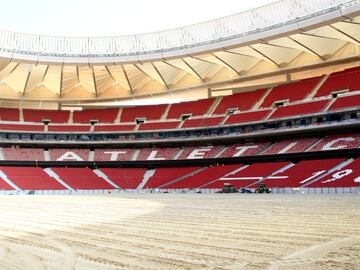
150 151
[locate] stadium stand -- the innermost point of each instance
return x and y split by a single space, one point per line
343 80
69 154
247 117
158 154
291 92
102 115
164 176
301 173
31 178
334 142
246 149
8 114
195 108
150 112
299 109
14 153
81 178
245 176
201 178
199 152
55 116
348 176
126 178
113 154
345 102
69 128
22 127
290 146
241 101
202 122
115 128
159 125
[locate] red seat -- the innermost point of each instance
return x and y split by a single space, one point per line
126 178
345 102
195 108
159 125
150 112
55 116
31 178
247 117
81 178
102 115
202 122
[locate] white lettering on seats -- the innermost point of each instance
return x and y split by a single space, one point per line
114 154
153 154
242 149
70 156
329 145
315 174
287 148
338 175
199 153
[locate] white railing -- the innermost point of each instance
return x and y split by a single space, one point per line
267 17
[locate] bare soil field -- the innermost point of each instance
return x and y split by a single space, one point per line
180 231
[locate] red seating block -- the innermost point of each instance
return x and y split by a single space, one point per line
8 114
158 154
113 154
20 127
290 146
343 80
163 176
348 176
31 178
301 173
69 154
115 128
345 102
150 112
199 152
202 122
334 142
159 125
242 101
195 108
243 149
23 154
247 117
126 178
300 109
69 128
290 91
102 115
82 178
56 116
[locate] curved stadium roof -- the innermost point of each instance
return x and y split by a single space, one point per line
273 39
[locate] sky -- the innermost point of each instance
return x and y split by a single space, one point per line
112 17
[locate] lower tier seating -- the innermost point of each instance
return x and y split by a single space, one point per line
30 178
126 178
81 178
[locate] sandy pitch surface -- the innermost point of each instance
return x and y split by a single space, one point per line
180 231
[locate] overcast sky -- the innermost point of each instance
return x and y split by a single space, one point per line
112 17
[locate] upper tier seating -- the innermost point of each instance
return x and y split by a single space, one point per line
290 146
199 152
150 112
20 127
247 117
290 91
12 153
301 173
115 128
244 149
246 176
31 178
300 109
202 122
202 178
113 154
241 101
126 178
195 108
102 115
159 125
158 154
163 176
55 116
343 80
348 176
8 114
345 102
69 128
69 154
334 142
81 178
